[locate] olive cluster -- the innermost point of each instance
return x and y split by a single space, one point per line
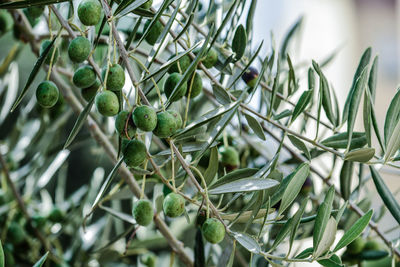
362 249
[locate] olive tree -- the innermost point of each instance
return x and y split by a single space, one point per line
135 140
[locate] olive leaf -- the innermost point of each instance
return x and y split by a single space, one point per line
221 95
199 255
239 42
300 145
29 3
354 231
1 255
294 186
212 168
120 215
244 185
255 126
340 140
346 174
390 202
41 261
327 239
360 154
126 6
302 104
296 27
323 215
247 242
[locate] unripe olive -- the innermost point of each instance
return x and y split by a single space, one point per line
47 94
250 76
115 77
307 186
213 230
16 234
89 12
197 85
145 118
356 246
169 85
373 245
43 47
177 117
121 123
147 5
5 22
184 63
107 103
211 58
201 218
143 212
56 215
134 153
174 205
84 77
149 259
229 158
89 92
154 32
35 11
79 49
166 125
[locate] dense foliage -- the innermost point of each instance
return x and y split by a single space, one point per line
153 134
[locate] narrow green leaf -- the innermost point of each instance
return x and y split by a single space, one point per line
247 242
278 194
191 68
40 262
365 58
120 215
1 255
370 255
367 117
274 89
33 73
208 117
126 6
328 237
79 123
29 3
249 18
391 203
285 230
354 231
157 46
346 174
322 218
105 185
289 36
199 255
227 256
305 253
392 116
285 113
234 175
306 219
333 261
212 168
239 42
339 214
373 78
221 95
340 140
244 185
296 222
292 82
311 79
302 104
394 143
300 145
192 12
255 126
293 189
360 154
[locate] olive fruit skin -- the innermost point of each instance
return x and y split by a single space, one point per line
147 5
197 85
5 21
174 205
143 212
89 92
169 85
307 186
178 118
43 47
356 246
229 158
134 153
79 49
115 77
15 233
47 94
250 76
149 260
210 59
89 12
56 215
84 77
145 118
107 103
154 32
213 230
372 245
166 125
120 123
35 11
184 63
